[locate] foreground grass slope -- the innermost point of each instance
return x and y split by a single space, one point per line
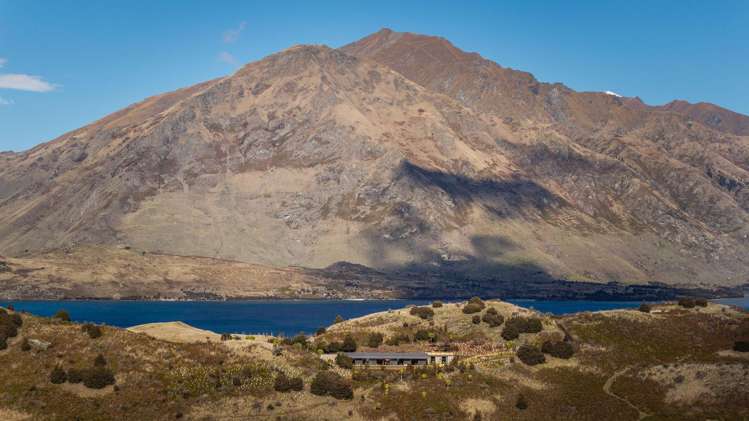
670 363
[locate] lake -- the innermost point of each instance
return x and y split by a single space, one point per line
286 317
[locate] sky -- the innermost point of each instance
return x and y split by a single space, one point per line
64 64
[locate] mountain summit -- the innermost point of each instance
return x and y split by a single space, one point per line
402 153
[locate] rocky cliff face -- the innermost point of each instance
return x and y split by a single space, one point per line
398 152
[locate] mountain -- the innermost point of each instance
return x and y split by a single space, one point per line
401 153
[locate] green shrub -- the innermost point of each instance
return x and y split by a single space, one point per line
510 332
423 335
333 347
284 383
25 345
94 331
58 375
375 339
526 325
98 377
328 383
741 346
700 302
75 375
558 349
471 308
422 312
492 318
100 361
530 355
645 308
62 315
344 361
437 304
349 344
686 302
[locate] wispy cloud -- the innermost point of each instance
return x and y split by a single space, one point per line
24 82
227 58
231 35
4 101
3 61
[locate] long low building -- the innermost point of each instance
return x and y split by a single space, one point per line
400 358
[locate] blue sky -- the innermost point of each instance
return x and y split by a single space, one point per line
65 63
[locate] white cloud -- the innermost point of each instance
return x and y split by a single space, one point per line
23 82
3 61
227 58
231 35
4 101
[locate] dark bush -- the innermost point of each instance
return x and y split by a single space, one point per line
225 337
16 319
62 315
477 301
525 325
25 345
521 404
98 378
491 310
8 330
284 383
375 339
75 375
320 331
3 342
297 339
558 349
333 347
476 319
423 335
328 383
645 308
94 331
100 361
492 318
344 361
530 355
472 308
741 346
510 332
687 302
58 376
423 312
700 302
349 344
437 304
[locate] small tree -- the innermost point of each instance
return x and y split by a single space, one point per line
530 355
58 375
510 332
344 361
62 315
349 344
375 339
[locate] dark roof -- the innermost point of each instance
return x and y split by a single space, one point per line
388 355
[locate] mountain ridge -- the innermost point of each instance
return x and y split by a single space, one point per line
407 162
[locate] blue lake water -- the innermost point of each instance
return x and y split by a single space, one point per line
272 316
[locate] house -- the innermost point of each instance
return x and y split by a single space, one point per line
400 359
